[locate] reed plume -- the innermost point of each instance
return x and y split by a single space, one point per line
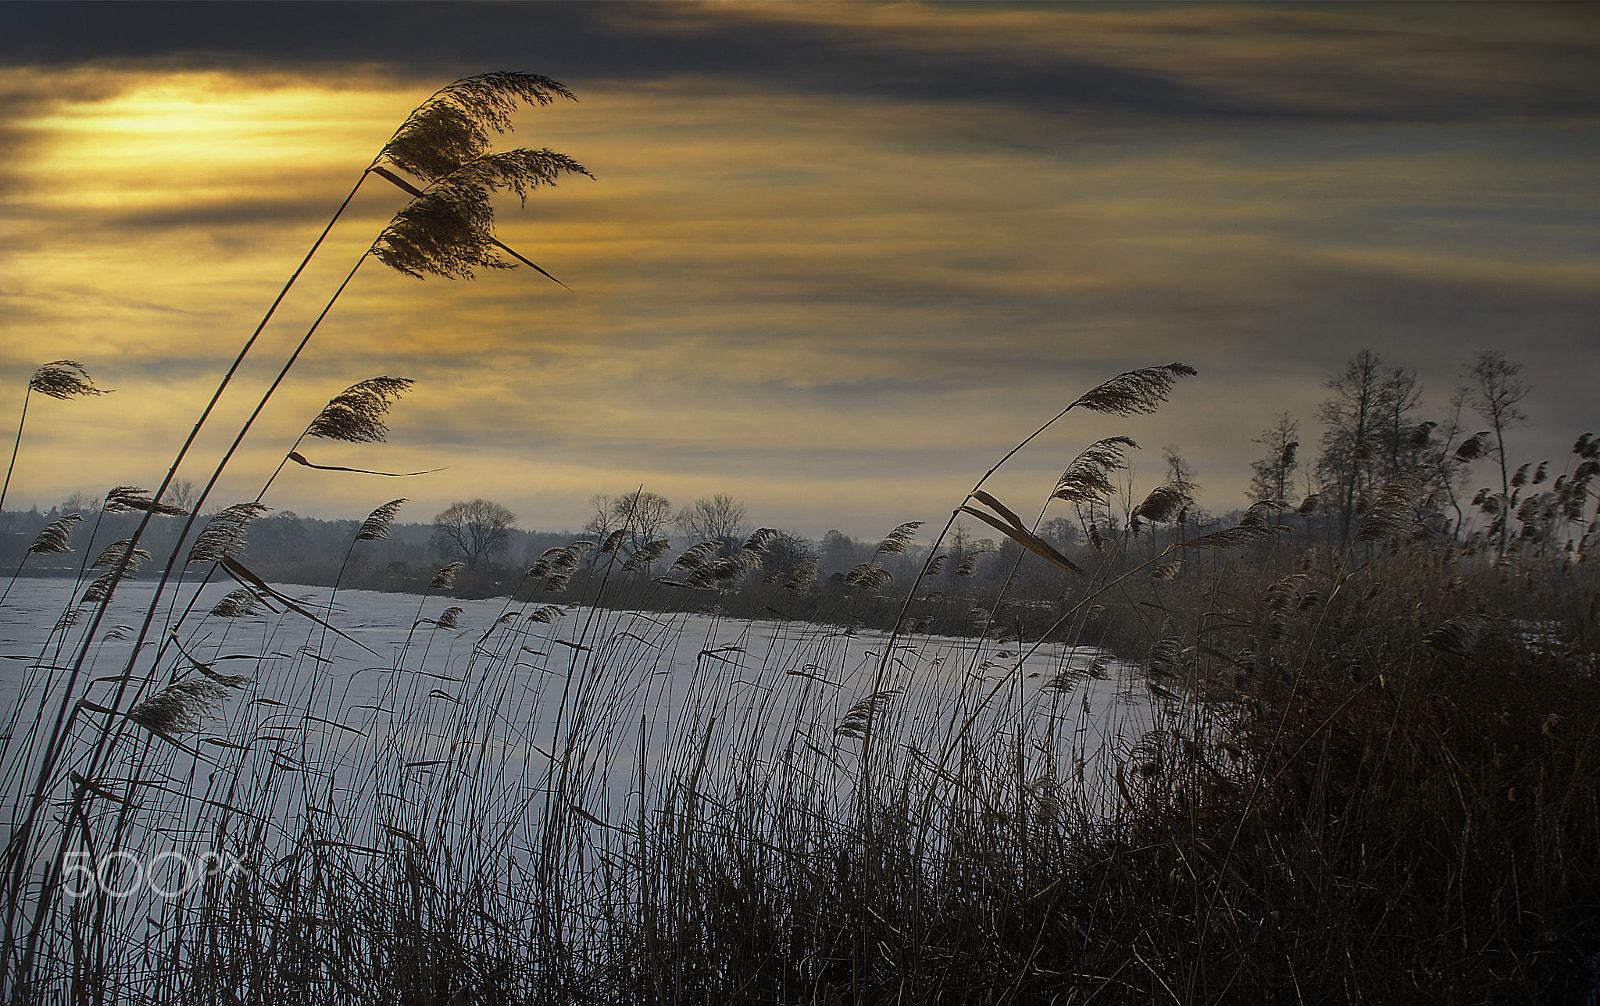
696 556
64 379
859 717
1253 529
224 533
1167 571
757 542
1134 392
54 536
356 414
113 555
448 229
969 562
376 526
555 566
726 570
1459 636
868 576
899 539
1393 512
1087 478
447 232
1165 502
124 498
646 554
61 379
804 575
238 603
445 577
454 126
1473 447
179 707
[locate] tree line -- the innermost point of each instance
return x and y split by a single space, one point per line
1373 430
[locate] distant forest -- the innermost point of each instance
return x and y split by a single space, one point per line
1375 442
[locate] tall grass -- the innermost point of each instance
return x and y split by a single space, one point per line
1282 773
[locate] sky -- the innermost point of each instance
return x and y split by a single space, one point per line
835 259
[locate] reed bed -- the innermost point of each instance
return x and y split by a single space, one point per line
1352 775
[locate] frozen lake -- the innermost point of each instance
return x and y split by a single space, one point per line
385 729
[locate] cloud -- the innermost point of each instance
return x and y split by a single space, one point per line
1212 63
806 275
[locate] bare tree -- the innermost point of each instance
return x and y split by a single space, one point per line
472 531
720 518
1370 406
602 521
644 515
182 492
78 503
784 554
1493 391
1274 474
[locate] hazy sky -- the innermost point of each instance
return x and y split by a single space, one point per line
835 261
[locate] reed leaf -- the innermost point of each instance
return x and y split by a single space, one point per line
1010 525
300 459
246 578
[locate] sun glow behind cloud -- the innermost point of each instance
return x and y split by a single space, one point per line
840 306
